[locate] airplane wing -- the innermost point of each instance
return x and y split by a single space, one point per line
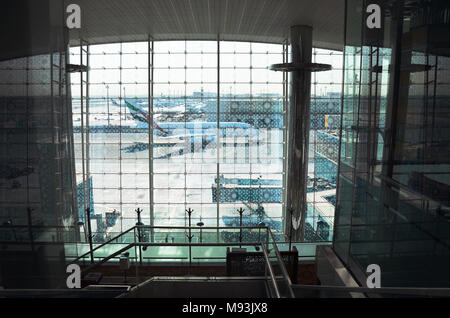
185 136
136 147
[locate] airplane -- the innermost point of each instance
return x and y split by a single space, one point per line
142 118
203 132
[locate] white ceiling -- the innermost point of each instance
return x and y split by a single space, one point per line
105 21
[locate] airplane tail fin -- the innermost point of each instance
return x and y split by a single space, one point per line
134 110
141 115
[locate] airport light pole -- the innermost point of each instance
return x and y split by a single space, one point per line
189 236
200 224
240 211
107 100
139 223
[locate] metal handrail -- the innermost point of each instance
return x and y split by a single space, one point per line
104 260
203 227
195 244
271 274
136 244
167 227
101 245
141 244
282 266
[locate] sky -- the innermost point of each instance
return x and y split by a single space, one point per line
178 73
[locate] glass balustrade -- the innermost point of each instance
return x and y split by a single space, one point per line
166 242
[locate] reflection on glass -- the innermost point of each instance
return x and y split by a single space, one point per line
394 180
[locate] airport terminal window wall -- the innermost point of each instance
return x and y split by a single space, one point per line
190 163
165 154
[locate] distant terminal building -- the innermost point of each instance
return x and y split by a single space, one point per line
260 111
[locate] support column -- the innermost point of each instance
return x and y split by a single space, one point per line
298 128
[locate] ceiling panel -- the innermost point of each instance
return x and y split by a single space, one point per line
243 20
